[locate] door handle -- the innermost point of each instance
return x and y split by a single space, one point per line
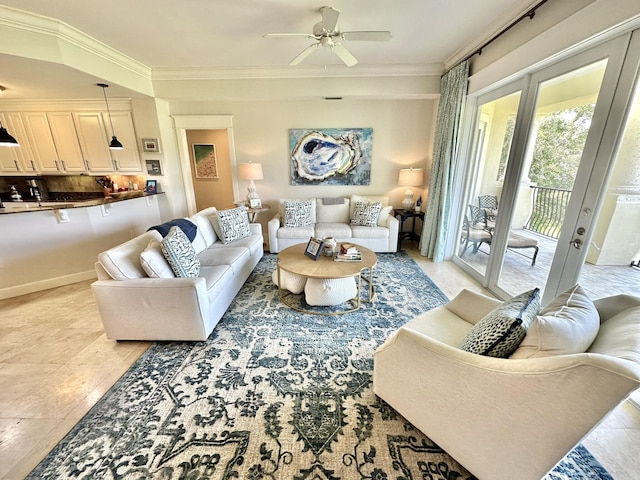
576 243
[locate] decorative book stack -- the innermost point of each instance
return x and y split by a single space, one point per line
348 253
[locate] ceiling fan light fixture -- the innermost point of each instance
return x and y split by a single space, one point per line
115 143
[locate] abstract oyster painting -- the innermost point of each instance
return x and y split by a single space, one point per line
331 156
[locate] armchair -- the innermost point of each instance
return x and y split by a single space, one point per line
506 417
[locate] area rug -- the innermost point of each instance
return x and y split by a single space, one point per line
272 394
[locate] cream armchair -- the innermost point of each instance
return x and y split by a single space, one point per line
506 418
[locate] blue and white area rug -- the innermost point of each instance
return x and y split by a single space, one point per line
273 394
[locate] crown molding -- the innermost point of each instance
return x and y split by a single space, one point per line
64 33
197 73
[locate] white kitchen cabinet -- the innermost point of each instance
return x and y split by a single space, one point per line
127 160
41 142
16 160
66 141
93 142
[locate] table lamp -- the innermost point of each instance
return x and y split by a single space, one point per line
409 177
251 172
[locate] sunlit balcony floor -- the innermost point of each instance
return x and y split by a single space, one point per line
519 275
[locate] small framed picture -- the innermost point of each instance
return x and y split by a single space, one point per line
153 167
150 145
255 203
206 163
152 186
314 248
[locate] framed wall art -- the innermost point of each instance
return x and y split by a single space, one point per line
331 156
152 186
204 158
150 145
153 167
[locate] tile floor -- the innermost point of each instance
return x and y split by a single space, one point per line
55 363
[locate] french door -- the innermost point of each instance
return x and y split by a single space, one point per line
543 148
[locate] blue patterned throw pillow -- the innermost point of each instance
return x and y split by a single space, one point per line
297 213
231 225
502 330
180 254
366 214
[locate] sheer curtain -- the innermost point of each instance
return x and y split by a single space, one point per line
452 96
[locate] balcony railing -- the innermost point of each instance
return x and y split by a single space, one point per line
547 213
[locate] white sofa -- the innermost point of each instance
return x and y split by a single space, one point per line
135 307
330 219
507 418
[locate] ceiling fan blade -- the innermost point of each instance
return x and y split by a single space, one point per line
287 35
368 36
329 18
344 55
304 54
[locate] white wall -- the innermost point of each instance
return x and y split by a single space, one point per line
402 136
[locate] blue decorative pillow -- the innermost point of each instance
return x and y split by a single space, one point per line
502 330
231 225
180 254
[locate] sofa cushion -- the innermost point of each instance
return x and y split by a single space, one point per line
235 257
335 230
369 232
231 225
216 277
336 212
253 242
123 262
205 235
619 336
154 262
180 254
366 214
568 324
297 213
303 233
502 330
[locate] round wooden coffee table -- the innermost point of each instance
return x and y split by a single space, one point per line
293 260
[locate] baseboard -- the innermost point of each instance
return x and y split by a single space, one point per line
46 284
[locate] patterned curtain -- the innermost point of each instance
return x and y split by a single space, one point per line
452 98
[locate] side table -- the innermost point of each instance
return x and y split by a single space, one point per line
404 215
254 212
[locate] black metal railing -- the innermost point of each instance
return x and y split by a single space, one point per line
547 213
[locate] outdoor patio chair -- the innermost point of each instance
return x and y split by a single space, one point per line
489 205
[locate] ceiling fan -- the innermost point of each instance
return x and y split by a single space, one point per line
327 34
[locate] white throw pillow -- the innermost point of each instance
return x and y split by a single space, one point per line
231 225
154 262
366 214
568 324
297 213
180 254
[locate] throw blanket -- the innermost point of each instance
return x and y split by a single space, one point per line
188 227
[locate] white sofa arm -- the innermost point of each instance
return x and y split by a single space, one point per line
393 224
255 228
272 227
153 308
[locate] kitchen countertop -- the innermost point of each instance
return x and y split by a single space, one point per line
23 207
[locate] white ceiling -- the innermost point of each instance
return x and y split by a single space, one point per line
169 36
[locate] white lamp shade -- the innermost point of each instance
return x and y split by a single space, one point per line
410 177
250 171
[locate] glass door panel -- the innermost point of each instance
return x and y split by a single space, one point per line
612 264
562 118
492 143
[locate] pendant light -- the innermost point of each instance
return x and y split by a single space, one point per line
115 143
6 140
